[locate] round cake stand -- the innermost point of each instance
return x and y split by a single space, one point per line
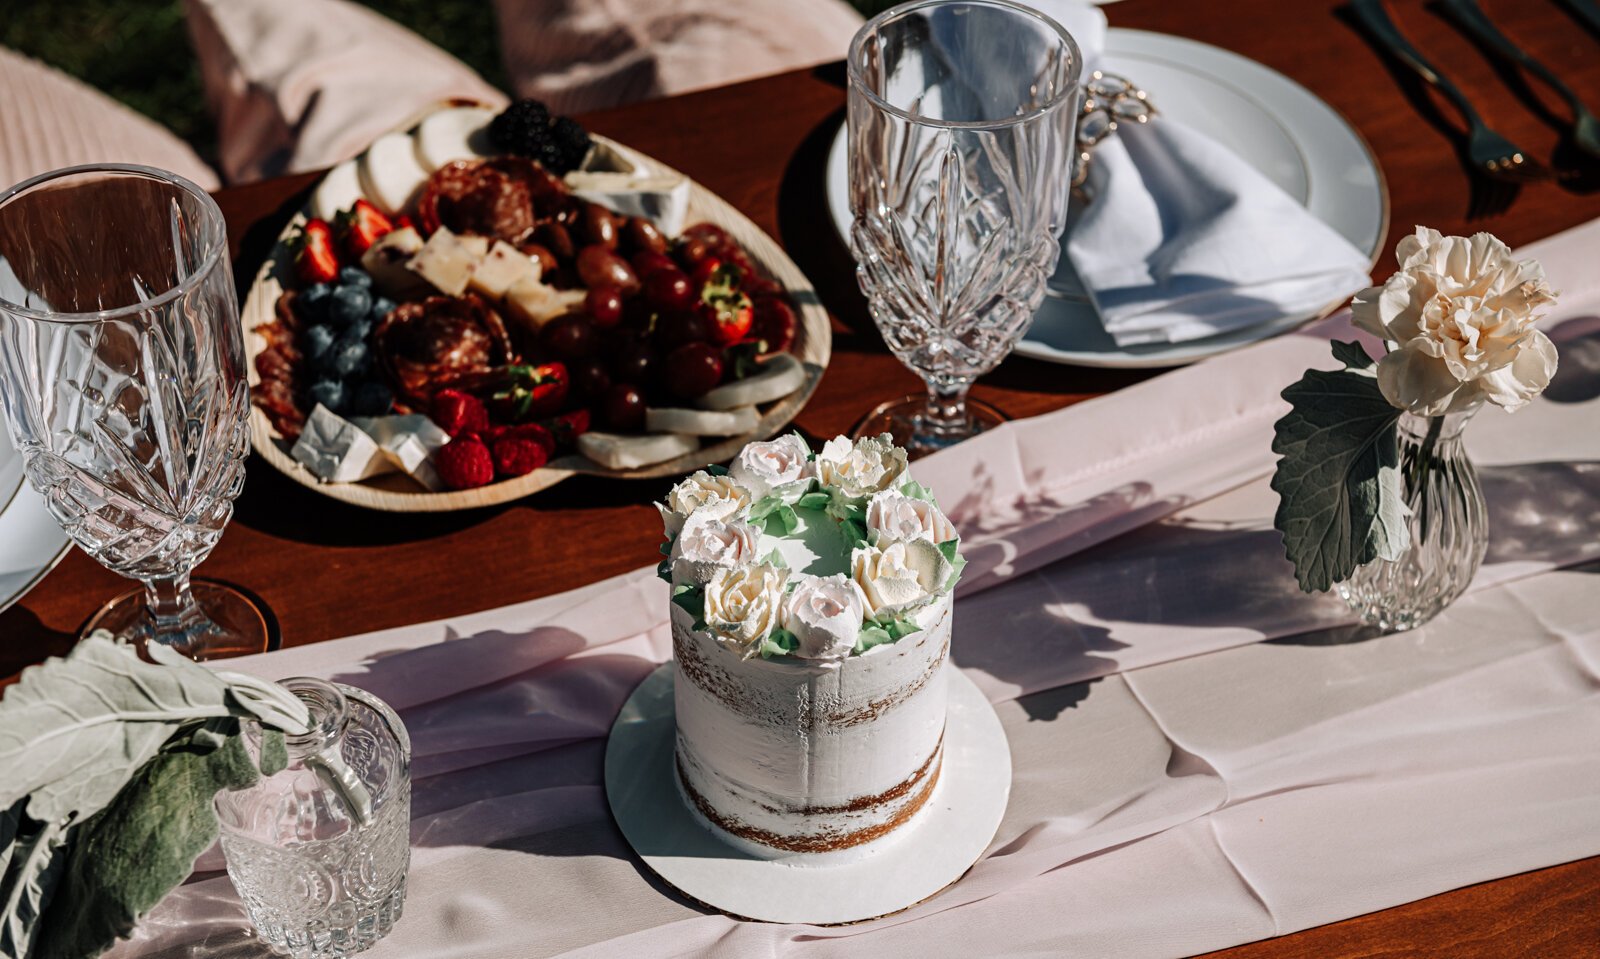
900 870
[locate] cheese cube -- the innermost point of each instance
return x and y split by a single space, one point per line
478 245
446 262
501 269
386 261
533 304
336 450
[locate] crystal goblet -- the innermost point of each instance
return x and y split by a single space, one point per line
122 371
960 122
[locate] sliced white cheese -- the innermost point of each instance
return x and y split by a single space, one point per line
454 133
445 261
501 269
477 245
533 303
337 192
336 450
386 261
702 422
631 452
390 173
663 199
779 376
407 440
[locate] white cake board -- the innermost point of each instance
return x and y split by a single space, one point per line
909 865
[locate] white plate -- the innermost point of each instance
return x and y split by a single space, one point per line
1281 128
910 865
31 543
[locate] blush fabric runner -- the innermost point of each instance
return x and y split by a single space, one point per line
1203 755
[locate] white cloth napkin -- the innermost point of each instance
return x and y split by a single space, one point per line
1184 239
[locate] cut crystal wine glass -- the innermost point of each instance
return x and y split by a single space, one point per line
122 371
961 117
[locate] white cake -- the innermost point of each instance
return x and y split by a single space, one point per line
811 627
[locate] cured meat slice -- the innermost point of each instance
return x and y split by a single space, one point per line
426 345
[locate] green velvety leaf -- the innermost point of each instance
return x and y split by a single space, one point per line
32 857
1341 502
127 857
817 500
274 753
1352 355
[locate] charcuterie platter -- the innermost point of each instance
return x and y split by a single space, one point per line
484 304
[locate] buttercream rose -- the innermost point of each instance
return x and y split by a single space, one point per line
859 469
743 604
892 514
776 466
897 576
708 544
1460 314
720 497
824 613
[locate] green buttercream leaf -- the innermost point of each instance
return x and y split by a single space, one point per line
816 500
916 490
951 550
692 600
779 642
855 532
871 635
664 570
776 559
128 856
665 549
1340 498
716 469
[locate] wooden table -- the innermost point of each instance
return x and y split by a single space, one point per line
330 570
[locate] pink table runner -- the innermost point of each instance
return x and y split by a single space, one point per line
1203 755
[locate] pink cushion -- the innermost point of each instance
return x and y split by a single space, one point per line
50 120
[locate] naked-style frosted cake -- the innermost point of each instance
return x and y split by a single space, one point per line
811 625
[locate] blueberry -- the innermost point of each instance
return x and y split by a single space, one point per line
313 301
372 399
316 340
357 331
380 308
348 356
355 276
349 303
329 393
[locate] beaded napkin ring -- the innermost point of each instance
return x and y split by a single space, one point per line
1108 100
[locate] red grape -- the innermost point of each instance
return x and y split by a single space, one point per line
598 266
647 262
570 337
604 306
693 370
633 361
623 408
668 290
675 329
590 378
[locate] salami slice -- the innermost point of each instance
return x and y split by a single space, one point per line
486 197
426 345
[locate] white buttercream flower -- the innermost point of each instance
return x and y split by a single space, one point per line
708 544
742 605
718 496
824 613
859 469
781 465
897 576
1461 316
892 514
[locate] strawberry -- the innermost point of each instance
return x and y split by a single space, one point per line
464 463
314 258
531 392
775 323
531 432
725 309
704 270
458 413
567 427
514 456
359 227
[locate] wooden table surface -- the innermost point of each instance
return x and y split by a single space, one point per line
329 570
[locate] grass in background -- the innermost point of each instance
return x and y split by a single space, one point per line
137 51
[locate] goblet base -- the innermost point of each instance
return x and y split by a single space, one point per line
233 623
906 420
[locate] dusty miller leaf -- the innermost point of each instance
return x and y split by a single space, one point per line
127 857
1340 499
31 859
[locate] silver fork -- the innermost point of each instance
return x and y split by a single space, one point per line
1487 151
1585 133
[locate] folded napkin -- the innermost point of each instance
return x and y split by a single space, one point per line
1184 239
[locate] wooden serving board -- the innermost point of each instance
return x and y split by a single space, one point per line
399 493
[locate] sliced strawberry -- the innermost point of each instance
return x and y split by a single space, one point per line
724 307
315 260
531 392
360 227
775 322
567 427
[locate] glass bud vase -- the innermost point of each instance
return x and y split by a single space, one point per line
1449 529
319 851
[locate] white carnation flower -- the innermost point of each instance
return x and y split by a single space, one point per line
1461 316
825 614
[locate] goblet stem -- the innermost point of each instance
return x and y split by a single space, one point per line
175 616
945 419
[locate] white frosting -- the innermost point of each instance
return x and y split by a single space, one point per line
766 742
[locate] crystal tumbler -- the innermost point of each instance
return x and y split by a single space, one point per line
122 371
319 851
960 121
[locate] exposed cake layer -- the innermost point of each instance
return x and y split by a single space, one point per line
811 755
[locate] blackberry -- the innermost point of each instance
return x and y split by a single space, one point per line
521 128
570 144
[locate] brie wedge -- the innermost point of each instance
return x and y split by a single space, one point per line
631 452
446 261
336 450
390 174
533 304
702 422
386 261
779 376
